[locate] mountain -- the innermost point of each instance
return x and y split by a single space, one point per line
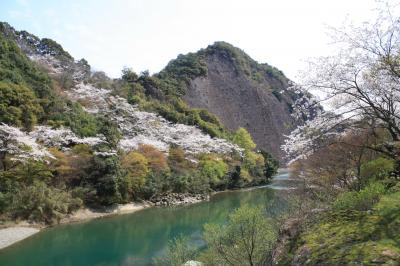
239 91
83 139
221 79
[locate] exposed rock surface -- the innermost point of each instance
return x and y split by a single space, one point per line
238 99
179 199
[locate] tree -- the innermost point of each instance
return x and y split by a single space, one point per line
18 105
178 252
110 131
213 168
243 138
129 75
247 239
156 159
17 146
362 85
177 160
271 165
137 169
105 177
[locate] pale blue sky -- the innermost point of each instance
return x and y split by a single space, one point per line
146 34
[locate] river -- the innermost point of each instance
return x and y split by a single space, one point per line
135 239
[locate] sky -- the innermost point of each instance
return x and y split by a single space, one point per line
147 34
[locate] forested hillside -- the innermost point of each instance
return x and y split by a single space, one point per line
71 137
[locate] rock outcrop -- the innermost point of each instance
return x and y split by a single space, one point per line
243 93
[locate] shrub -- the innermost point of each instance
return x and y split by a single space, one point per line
247 239
362 200
377 169
38 202
243 139
213 168
137 169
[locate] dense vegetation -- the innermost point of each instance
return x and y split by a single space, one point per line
163 92
349 159
346 209
28 96
46 190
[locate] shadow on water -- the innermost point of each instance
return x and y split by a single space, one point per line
134 239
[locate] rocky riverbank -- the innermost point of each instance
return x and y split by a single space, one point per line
172 199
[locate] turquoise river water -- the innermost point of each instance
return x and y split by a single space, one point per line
137 238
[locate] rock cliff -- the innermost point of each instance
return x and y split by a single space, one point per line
243 93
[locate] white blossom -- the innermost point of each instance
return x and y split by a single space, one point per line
61 137
139 127
21 145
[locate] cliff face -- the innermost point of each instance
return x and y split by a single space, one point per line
243 93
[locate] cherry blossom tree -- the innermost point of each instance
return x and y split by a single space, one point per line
360 84
19 145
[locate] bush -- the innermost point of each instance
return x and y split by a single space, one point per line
377 169
38 202
213 168
247 239
362 200
243 138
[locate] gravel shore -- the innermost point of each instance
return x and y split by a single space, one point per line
11 235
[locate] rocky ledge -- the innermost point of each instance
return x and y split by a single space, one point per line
179 199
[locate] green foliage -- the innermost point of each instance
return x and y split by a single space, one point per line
110 131
78 120
247 239
53 48
178 252
27 95
362 200
179 72
178 111
254 163
136 166
38 202
271 165
106 175
243 139
21 78
245 63
213 168
129 75
350 237
377 169
18 105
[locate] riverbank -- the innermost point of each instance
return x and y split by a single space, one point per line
12 233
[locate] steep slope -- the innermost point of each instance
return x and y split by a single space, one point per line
239 91
136 126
